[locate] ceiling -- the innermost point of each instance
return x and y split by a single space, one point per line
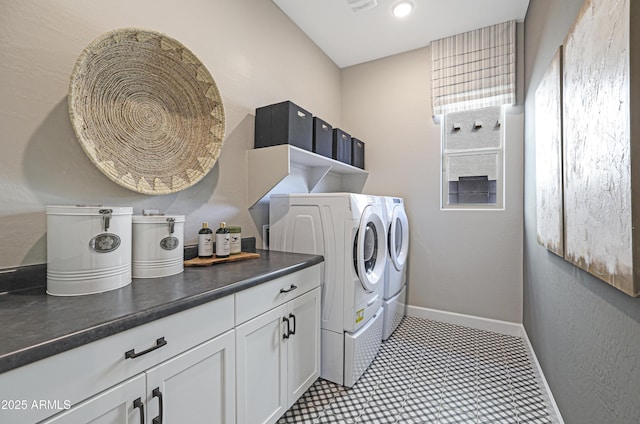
349 37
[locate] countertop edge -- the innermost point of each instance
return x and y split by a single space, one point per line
53 347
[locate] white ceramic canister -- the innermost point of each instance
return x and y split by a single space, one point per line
158 245
88 249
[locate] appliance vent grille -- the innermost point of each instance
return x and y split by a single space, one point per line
362 5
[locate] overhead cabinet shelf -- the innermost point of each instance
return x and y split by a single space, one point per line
283 168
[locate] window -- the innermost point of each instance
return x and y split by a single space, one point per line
473 77
472 159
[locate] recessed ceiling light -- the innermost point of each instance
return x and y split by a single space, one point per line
402 9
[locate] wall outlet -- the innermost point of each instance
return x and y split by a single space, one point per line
265 237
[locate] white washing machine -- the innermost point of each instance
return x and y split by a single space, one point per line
349 231
395 291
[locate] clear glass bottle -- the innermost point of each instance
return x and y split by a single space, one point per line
205 241
223 241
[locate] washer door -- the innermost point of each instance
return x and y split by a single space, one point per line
399 238
369 249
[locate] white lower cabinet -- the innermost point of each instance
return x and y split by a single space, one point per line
261 362
242 358
100 382
123 403
303 364
196 384
278 358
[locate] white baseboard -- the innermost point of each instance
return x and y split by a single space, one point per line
487 324
547 390
497 326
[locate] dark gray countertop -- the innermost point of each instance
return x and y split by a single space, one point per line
34 325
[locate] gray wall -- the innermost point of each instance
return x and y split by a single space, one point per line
257 56
462 261
586 334
254 52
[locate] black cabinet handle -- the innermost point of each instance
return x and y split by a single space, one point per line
293 317
138 404
292 288
157 393
132 353
286 333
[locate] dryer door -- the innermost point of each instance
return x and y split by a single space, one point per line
369 249
399 238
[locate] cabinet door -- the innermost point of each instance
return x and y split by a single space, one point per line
121 404
261 368
303 346
195 386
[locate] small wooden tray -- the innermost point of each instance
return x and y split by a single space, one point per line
212 261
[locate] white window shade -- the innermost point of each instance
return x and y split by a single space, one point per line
474 70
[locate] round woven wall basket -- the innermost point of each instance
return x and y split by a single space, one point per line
146 111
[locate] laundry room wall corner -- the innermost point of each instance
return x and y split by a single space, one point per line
466 262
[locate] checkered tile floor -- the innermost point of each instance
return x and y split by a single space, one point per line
433 372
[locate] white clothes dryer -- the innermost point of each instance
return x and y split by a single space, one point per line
397 225
349 231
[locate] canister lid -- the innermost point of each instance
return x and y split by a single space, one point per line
155 219
234 229
88 210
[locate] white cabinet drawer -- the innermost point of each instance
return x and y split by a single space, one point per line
74 375
259 299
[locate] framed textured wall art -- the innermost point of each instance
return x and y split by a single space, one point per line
601 91
548 130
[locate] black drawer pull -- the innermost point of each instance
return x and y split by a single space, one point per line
293 318
288 332
132 353
138 404
157 393
292 288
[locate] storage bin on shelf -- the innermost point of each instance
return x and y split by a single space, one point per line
357 153
341 146
322 138
283 123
